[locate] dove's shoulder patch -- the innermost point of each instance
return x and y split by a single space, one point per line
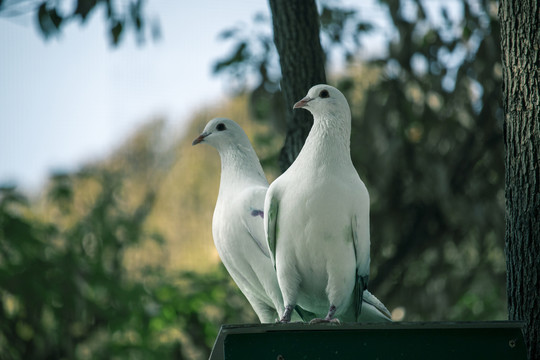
256 212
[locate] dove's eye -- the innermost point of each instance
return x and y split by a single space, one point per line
324 94
221 127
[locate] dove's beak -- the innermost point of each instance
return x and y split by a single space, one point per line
199 139
302 102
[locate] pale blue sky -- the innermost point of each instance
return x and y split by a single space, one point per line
74 98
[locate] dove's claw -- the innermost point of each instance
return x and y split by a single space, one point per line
325 320
329 317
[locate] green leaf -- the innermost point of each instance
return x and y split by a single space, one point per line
49 20
364 27
116 31
228 33
238 56
84 7
44 20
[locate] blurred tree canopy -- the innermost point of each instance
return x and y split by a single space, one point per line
120 16
97 266
115 260
65 291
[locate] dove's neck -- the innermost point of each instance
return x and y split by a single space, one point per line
328 143
240 167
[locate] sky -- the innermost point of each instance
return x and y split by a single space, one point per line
74 98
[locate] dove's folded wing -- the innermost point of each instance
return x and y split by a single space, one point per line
253 215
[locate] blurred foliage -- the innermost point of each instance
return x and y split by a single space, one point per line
433 122
101 265
120 16
426 139
66 295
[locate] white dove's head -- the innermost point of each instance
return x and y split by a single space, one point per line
325 100
222 132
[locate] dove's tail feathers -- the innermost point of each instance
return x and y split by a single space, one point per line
370 299
360 287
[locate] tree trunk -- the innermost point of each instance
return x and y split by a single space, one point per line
296 35
520 43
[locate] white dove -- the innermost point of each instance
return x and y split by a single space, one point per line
317 222
237 225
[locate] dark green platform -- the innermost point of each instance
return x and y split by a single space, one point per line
401 340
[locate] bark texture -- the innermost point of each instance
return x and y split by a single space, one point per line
520 45
296 35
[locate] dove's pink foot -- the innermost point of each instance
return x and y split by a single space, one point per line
286 318
329 317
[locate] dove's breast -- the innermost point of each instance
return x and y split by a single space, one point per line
315 236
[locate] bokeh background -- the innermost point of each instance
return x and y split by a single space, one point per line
105 207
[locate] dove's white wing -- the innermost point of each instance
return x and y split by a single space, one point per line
252 215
